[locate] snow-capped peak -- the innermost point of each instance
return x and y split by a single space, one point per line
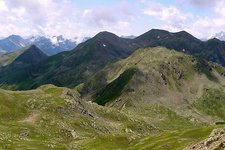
48 43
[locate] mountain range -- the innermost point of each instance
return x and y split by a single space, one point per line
12 43
74 67
160 90
50 44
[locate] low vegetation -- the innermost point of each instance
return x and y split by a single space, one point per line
154 99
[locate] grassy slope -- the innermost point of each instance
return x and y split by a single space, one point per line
8 58
146 110
153 60
46 119
179 102
176 140
49 117
164 140
212 102
184 80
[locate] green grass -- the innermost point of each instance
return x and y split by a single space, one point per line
110 129
55 119
173 140
8 58
170 140
109 142
165 118
143 122
17 106
212 102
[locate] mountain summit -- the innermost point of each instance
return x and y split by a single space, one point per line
179 41
31 55
12 43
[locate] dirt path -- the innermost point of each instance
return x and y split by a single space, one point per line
31 118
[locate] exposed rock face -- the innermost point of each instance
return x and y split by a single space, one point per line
74 103
216 141
25 133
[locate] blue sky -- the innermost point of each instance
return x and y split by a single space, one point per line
79 18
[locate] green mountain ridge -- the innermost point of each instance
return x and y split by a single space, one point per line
8 58
75 67
157 76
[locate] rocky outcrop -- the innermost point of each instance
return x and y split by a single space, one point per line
216 141
74 103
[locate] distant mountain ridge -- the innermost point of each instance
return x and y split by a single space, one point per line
51 45
12 43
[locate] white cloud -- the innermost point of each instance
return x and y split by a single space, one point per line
172 17
54 17
3 6
210 25
61 17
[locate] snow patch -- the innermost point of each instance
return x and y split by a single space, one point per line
54 40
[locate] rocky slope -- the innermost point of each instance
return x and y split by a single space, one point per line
160 79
